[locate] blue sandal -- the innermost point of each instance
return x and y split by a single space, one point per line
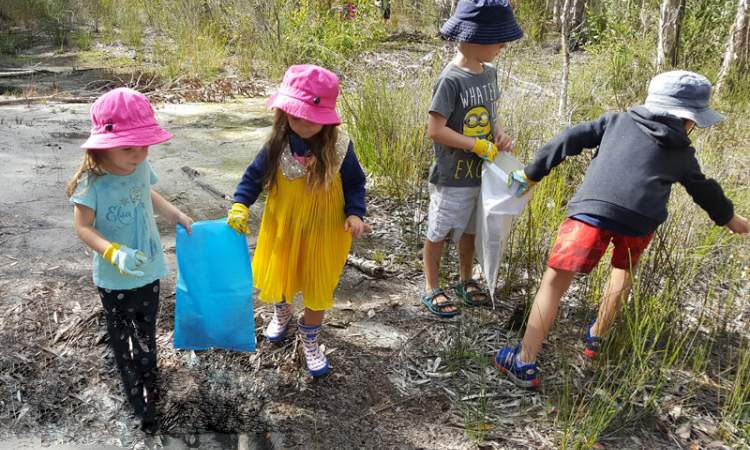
438 308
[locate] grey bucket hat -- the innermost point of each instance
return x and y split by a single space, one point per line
683 94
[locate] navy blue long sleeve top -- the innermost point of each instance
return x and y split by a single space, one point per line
640 156
352 178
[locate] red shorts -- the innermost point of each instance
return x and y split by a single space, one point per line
580 246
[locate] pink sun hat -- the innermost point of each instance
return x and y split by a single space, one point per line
123 118
308 92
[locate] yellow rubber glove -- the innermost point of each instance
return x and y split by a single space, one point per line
125 259
484 149
237 218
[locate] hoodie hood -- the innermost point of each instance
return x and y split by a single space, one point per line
668 131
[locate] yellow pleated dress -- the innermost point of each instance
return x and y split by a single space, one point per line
302 246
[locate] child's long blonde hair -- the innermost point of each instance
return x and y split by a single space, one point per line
91 165
323 167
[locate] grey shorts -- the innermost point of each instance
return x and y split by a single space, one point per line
451 209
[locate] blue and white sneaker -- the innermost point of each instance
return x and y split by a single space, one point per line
592 344
526 376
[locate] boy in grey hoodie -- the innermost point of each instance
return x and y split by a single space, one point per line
623 199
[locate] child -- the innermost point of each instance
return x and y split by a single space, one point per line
460 123
315 205
623 199
114 215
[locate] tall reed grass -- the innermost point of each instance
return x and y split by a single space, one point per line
689 287
662 329
386 122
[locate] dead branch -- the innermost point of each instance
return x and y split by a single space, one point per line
23 73
366 266
194 175
46 98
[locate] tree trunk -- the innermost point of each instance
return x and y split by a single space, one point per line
556 13
643 16
577 15
577 19
562 110
670 21
737 55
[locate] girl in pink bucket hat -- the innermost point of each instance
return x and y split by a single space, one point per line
114 215
315 205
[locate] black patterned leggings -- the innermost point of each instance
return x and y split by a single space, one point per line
131 324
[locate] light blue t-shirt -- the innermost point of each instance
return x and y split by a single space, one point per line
124 214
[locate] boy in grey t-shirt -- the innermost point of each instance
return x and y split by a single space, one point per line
462 125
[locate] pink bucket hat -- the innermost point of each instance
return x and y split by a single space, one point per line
308 92
123 118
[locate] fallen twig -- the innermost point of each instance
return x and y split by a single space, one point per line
24 73
46 98
194 174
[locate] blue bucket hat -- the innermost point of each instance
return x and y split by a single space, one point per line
482 22
682 94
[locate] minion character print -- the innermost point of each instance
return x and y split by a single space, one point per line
477 123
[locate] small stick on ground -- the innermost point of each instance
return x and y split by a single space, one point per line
194 174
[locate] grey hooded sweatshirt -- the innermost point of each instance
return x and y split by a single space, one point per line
640 155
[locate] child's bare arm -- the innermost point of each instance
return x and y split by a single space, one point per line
503 142
439 132
83 221
163 207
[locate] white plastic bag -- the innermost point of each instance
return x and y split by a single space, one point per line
495 211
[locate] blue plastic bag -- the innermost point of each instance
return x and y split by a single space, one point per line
214 307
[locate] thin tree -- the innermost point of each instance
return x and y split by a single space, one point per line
737 57
577 14
565 47
556 14
670 23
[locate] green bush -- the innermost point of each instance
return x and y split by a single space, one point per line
308 32
388 125
615 76
705 28
9 44
83 39
534 18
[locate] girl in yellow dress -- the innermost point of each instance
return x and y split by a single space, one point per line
315 205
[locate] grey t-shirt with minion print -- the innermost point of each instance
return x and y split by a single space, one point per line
467 100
